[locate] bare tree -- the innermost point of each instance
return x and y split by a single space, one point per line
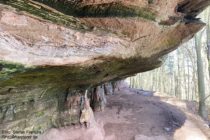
201 82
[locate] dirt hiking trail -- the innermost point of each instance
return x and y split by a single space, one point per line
138 115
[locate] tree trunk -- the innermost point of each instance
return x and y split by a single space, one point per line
201 83
208 38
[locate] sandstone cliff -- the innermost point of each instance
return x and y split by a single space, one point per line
51 50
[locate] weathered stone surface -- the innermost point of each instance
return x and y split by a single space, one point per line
108 88
49 48
98 99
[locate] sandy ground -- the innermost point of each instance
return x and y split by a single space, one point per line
131 116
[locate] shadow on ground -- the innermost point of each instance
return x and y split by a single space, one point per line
130 115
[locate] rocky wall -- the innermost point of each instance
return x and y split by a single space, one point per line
42 109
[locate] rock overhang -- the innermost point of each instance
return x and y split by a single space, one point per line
49 49
83 40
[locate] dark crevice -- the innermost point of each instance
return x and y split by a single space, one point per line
192 7
182 7
190 10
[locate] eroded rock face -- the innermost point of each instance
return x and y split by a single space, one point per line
49 47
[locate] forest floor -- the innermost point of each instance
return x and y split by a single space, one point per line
133 114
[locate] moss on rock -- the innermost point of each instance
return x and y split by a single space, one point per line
43 12
61 12
7 69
